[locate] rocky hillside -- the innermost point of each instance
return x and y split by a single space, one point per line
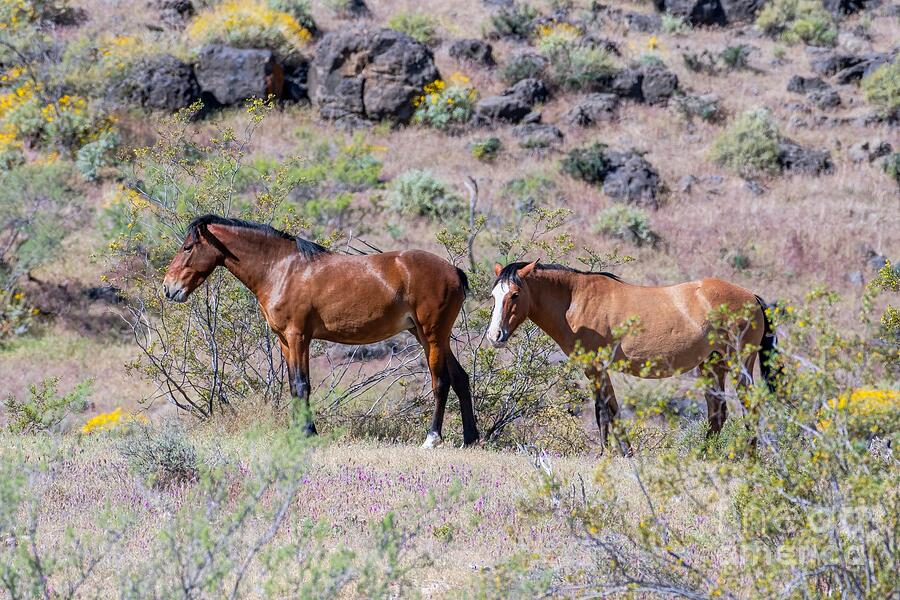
755 141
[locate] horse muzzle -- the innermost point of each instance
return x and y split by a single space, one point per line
499 339
175 292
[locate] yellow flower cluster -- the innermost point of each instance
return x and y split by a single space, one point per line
9 103
15 12
434 91
558 30
233 20
111 420
863 404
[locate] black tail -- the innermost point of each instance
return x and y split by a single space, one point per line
464 280
768 350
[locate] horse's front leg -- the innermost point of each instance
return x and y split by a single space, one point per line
605 409
297 359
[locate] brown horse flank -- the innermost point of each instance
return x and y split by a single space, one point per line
579 309
306 293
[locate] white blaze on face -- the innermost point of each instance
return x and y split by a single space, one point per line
499 293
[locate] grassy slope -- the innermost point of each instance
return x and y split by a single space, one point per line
349 487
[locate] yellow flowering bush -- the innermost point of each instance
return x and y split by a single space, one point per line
250 23
865 411
110 420
442 105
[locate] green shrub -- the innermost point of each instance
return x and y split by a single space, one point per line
523 66
513 21
798 20
44 410
250 24
627 223
418 193
704 62
94 156
587 164
444 105
891 167
735 57
675 24
528 192
882 88
573 65
487 149
418 26
39 206
707 107
749 145
16 316
300 10
160 455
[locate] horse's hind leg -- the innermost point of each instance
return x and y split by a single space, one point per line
297 359
605 409
460 381
716 407
440 385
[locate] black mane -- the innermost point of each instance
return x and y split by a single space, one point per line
309 250
510 272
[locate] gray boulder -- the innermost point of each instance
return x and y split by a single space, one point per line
740 11
643 22
537 135
631 178
358 73
593 109
232 75
869 151
696 12
794 158
843 7
513 104
472 50
803 85
824 99
160 83
658 84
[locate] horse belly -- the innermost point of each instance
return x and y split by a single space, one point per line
667 353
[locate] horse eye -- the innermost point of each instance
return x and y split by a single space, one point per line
188 247
515 294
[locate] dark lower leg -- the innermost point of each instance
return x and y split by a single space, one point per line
460 381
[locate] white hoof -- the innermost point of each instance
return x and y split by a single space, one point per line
432 441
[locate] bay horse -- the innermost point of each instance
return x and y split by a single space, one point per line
579 309
306 292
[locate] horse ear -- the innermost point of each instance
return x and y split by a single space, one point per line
498 268
527 269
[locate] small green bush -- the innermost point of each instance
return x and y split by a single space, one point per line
513 21
882 88
749 145
736 57
587 164
300 10
706 108
523 66
528 192
627 223
418 26
94 156
573 64
44 410
891 167
675 25
486 150
798 21
162 455
418 193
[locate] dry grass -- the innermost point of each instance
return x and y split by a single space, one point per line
347 488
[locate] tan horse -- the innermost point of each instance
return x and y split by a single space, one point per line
579 309
306 293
